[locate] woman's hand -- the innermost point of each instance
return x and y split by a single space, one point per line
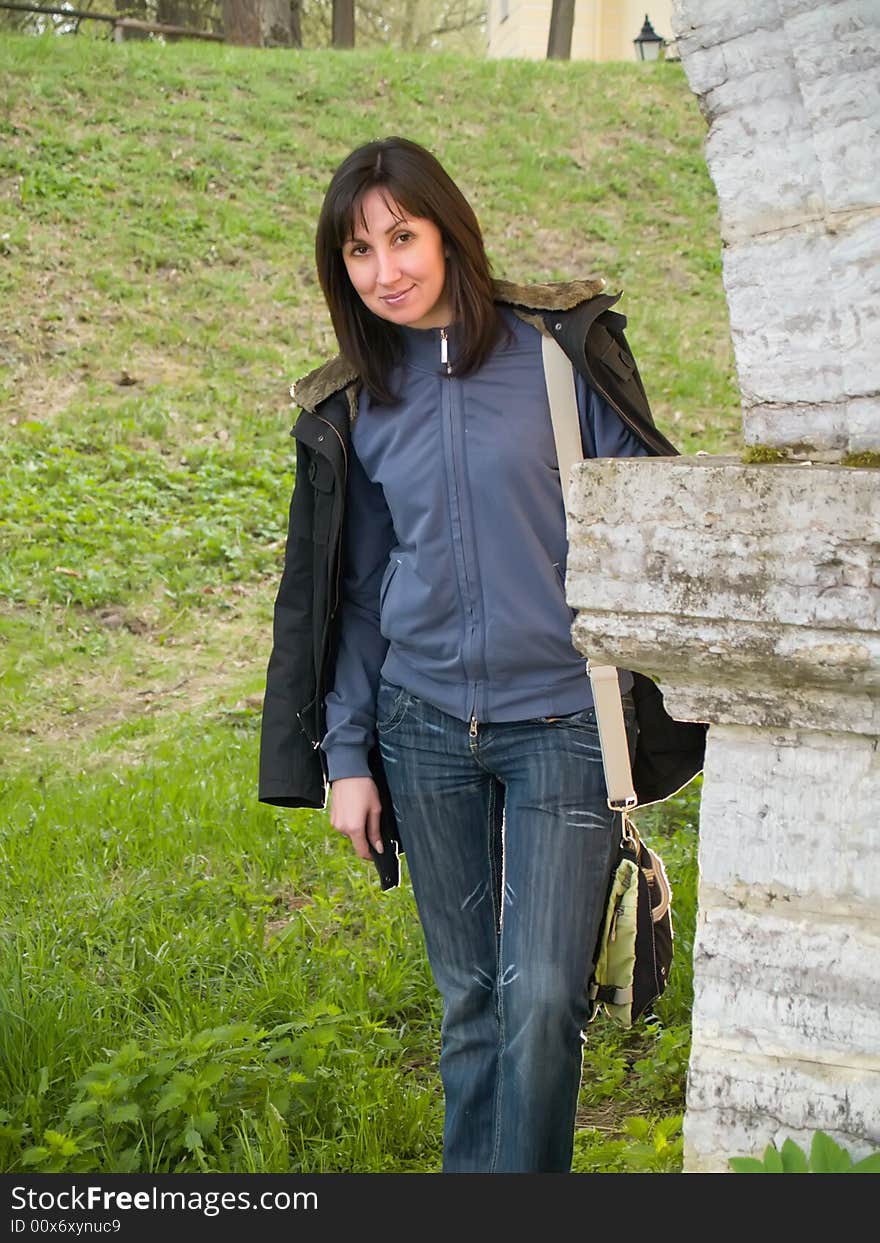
355 810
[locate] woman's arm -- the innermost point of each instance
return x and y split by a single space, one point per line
289 773
368 538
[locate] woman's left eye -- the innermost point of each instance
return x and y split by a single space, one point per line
402 237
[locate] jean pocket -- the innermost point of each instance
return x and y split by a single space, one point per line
391 705
585 717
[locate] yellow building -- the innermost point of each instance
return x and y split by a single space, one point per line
603 29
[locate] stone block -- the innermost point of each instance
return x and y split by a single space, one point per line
773 850
787 987
752 592
807 342
739 1102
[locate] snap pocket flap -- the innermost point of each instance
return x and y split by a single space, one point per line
321 474
617 359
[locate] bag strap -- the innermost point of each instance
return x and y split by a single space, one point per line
562 395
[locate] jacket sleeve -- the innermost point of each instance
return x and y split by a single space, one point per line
290 775
603 432
350 706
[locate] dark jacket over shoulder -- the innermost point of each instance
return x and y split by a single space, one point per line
307 609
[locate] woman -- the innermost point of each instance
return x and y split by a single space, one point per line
422 636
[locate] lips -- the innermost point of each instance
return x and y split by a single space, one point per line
397 298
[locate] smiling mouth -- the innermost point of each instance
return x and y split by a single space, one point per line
393 299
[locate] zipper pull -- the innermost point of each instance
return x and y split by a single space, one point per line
472 732
444 350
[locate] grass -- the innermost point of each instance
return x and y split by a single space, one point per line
191 980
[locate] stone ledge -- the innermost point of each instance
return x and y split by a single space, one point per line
751 591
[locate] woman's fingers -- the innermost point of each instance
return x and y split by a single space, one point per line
359 842
355 811
374 830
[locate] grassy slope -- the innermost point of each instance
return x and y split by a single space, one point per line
156 214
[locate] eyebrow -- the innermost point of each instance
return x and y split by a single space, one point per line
362 242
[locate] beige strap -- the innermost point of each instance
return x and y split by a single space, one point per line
562 395
559 378
612 737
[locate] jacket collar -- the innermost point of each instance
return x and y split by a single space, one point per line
338 373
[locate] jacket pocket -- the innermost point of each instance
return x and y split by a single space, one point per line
323 483
393 567
560 578
617 359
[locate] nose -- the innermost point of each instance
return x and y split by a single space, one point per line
388 269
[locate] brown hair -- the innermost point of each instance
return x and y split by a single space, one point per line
418 184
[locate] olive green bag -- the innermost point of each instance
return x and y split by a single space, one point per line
634 951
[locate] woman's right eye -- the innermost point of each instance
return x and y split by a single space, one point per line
357 250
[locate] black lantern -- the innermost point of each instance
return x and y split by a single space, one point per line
648 43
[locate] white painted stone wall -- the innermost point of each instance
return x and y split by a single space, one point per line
752 592
791 90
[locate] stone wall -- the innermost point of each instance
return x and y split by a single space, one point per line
752 591
753 594
791 90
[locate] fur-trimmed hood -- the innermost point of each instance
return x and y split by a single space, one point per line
338 373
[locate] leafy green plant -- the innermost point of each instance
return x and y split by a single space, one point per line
181 1103
826 1157
662 1070
646 1146
198 1103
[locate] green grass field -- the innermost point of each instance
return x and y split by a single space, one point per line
189 980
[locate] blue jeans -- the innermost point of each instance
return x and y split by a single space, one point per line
509 843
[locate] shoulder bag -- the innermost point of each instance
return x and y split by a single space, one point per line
633 955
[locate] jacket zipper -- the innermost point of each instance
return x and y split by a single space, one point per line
444 360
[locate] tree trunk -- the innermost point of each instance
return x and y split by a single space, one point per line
296 37
241 22
343 23
561 26
275 23
179 13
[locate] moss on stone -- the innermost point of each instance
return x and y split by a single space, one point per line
867 458
762 453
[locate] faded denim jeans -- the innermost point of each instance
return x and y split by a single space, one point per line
509 843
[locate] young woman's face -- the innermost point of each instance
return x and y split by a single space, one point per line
397 265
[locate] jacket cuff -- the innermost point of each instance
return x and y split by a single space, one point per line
347 761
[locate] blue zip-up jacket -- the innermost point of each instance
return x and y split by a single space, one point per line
455 544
